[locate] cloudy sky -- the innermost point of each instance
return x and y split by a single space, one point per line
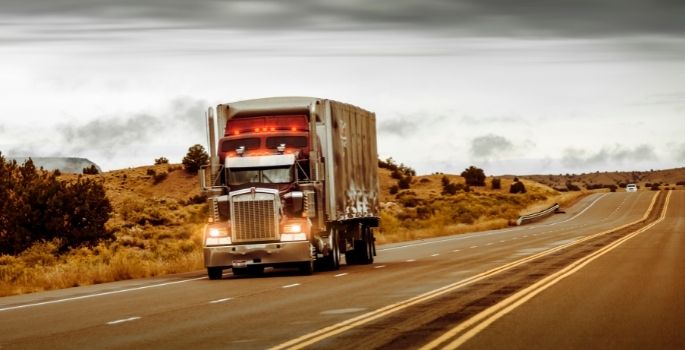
510 86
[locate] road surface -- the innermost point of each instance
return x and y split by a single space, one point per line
415 295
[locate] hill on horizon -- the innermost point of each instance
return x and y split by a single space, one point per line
63 164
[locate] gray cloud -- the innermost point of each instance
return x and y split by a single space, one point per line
679 152
527 18
489 145
399 127
108 135
578 158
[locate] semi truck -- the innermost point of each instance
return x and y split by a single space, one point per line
291 182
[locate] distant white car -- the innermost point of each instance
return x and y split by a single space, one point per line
631 188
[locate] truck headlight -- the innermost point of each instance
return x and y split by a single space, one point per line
218 241
217 236
289 237
292 228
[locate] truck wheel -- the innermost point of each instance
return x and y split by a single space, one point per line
214 273
332 260
307 268
370 246
363 248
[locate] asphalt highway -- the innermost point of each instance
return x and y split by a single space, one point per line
414 293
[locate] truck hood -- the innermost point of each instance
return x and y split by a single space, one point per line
273 160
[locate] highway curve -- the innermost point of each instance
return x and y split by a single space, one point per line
415 293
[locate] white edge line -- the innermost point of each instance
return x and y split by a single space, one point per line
124 320
220 300
291 285
379 267
341 274
480 234
98 294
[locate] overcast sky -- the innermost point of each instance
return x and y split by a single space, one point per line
510 86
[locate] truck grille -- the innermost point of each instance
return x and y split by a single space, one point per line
254 219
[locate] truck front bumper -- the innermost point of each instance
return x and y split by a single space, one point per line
262 254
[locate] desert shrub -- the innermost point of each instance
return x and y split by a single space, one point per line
423 212
571 186
36 206
91 170
161 160
655 187
404 183
648 184
195 158
496 183
197 199
394 189
474 176
612 188
410 202
517 187
157 178
680 183
151 172
425 180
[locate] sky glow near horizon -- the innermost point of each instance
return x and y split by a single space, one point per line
512 87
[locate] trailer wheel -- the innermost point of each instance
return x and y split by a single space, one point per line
363 248
214 273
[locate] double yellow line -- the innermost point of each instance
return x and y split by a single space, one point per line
471 327
319 335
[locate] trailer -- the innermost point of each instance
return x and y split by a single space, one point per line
292 182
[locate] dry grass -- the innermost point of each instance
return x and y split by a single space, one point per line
158 226
157 229
423 212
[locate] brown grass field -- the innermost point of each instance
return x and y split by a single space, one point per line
158 225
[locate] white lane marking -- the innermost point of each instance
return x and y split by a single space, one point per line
291 285
436 254
124 320
473 246
526 236
341 274
379 267
99 294
581 212
502 241
490 243
220 300
411 260
456 250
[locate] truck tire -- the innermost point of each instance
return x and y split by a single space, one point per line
363 248
331 262
214 273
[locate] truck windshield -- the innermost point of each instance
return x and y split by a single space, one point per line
269 175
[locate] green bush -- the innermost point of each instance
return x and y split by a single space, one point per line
195 158
35 206
91 170
517 187
161 160
496 184
474 176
